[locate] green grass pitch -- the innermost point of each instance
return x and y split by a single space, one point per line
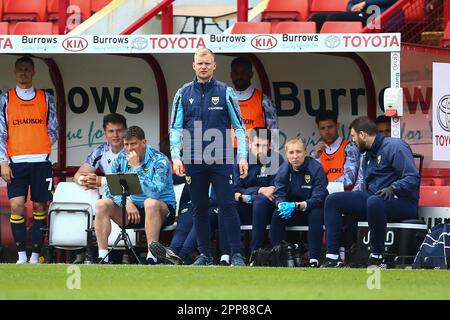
60 281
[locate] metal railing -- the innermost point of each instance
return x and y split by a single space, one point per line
414 19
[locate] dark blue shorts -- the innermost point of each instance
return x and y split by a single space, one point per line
36 175
170 218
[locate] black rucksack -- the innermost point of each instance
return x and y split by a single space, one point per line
283 255
434 252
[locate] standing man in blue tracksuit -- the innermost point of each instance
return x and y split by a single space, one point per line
391 191
202 114
300 192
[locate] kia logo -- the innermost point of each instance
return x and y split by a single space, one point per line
264 42
75 44
395 61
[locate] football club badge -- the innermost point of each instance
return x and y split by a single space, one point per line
215 100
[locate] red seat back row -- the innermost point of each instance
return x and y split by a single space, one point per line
27 27
32 10
296 27
33 28
286 10
328 6
300 10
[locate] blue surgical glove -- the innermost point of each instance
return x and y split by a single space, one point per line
285 209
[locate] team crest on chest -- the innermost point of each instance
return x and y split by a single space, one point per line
307 178
215 100
191 100
379 159
188 179
145 169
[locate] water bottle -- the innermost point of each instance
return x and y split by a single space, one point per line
290 257
342 253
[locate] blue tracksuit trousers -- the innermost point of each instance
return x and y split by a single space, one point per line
364 206
258 214
314 219
199 177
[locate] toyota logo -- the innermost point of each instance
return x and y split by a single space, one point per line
443 112
139 43
332 41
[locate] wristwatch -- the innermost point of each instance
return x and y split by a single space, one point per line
298 206
240 198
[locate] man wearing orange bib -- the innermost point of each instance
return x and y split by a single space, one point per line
339 157
340 161
28 128
257 109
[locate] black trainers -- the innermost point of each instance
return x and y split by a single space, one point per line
163 254
151 262
313 264
101 261
79 258
224 263
224 260
203 260
237 260
376 262
332 263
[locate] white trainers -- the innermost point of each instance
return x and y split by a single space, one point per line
34 259
20 261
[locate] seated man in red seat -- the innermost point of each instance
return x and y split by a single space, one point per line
357 10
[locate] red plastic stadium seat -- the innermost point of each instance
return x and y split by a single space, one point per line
4 28
426 181
1 9
52 10
295 27
55 27
28 10
342 27
286 10
97 5
414 11
33 28
328 6
446 40
434 196
252 27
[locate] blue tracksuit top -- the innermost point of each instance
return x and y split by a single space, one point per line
259 175
214 106
390 162
308 184
155 176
